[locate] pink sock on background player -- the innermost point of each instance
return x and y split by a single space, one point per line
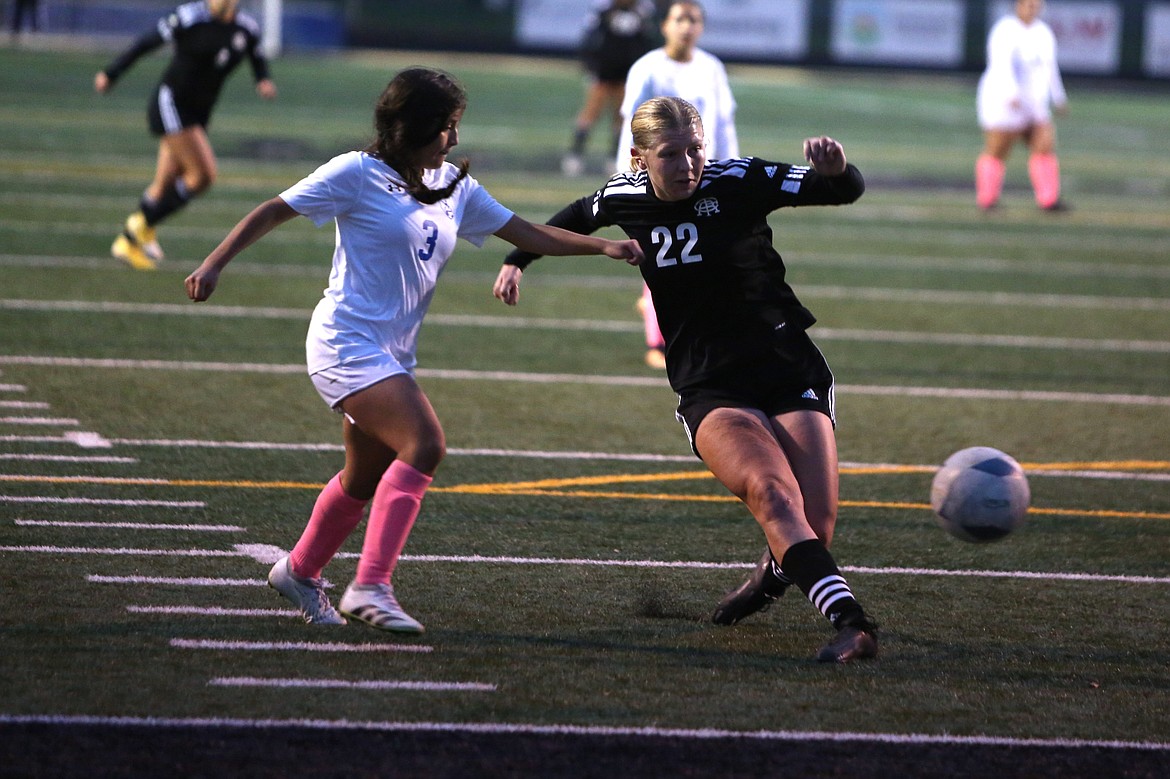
335 515
654 339
989 174
396 506
1044 170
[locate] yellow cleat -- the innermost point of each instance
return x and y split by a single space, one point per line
125 250
144 235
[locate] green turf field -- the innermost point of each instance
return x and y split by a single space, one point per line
154 454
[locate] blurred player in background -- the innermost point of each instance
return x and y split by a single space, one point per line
618 32
1017 89
679 69
210 39
21 10
755 393
398 208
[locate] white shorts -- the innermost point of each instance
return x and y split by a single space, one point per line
997 113
337 383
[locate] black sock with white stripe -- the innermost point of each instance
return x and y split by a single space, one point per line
173 198
814 571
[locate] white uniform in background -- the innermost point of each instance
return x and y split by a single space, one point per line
1022 80
702 82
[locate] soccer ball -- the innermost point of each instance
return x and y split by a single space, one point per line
980 494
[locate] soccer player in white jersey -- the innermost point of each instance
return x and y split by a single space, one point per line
755 393
679 69
1017 91
399 207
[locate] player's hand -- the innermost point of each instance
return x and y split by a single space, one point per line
201 283
101 82
507 286
825 155
627 250
266 88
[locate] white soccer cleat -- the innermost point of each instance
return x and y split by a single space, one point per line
376 605
308 594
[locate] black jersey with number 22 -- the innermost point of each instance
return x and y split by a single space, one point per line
718 284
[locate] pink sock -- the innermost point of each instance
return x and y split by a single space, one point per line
654 339
396 505
989 173
1044 170
334 517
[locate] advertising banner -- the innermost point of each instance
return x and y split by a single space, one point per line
1156 60
898 32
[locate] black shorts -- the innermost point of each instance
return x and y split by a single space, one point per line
167 116
810 388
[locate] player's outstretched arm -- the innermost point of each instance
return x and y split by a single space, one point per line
261 221
546 239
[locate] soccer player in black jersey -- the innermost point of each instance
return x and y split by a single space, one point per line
755 393
210 38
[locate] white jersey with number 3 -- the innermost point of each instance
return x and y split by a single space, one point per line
389 252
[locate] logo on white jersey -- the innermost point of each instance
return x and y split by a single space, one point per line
708 206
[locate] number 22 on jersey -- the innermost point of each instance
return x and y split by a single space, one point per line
682 241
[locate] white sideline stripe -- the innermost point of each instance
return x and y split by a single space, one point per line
122 552
600 325
213 611
39 421
183 581
13 388
171 504
614 381
128 525
598 731
295 646
583 562
23 404
342 684
66 458
510 453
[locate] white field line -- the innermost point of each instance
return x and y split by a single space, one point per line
13 388
596 325
178 581
295 646
613 381
24 405
67 458
51 421
213 611
581 731
342 684
170 504
130 525
568 562
510 454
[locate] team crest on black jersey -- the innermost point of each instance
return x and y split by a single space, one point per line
707 206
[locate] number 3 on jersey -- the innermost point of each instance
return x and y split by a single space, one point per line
428 251
685 235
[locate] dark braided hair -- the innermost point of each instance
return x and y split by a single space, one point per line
415 107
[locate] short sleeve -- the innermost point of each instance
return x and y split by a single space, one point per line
328 191
482 215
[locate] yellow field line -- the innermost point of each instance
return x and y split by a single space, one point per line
526 489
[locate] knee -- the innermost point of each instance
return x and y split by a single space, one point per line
429 453
772 500
199 181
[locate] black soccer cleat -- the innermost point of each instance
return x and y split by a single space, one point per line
756 594
856 641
